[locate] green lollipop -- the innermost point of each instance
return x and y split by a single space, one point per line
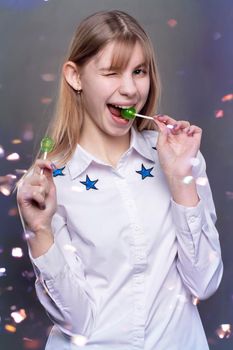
130 113
46 146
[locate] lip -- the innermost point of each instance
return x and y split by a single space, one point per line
117 120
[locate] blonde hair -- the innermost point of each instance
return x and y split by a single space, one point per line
92 35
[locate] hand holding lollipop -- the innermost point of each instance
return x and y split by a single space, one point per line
37 202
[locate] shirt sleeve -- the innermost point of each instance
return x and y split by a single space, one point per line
199 254
61 285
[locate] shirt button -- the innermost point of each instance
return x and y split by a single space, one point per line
192 219
139 258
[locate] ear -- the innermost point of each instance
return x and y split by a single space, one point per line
72 76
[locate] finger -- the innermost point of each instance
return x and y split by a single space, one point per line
166 119
37 180
39 199
163 133
192 130
31 195
177 125
40 190
181 124
40 165
44 168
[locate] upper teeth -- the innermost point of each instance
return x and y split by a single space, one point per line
122 107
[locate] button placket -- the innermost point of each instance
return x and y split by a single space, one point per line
139 262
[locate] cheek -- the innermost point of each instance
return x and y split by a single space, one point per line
98 89
145 88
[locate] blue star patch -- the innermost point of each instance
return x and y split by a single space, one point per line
89 183
58 171
145 172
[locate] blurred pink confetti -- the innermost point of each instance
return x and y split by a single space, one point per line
2 152
229 195
31 343
13 212
172 23
46 100
2 271
19 316
224 331
17 252
20 171
48 77
16 141
226 98
219 113
28 133
13 156
6 184
202 181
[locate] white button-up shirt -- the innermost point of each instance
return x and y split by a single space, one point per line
128 261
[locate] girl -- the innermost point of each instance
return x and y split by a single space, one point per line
121 236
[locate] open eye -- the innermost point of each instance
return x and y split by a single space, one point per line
140 71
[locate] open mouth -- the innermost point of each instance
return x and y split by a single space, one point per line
116 110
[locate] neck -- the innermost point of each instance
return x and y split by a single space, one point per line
105 147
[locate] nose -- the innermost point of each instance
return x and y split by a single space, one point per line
127 86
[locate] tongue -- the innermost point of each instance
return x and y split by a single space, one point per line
115 111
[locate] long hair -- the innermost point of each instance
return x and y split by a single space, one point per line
92 35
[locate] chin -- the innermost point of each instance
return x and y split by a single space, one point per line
118 132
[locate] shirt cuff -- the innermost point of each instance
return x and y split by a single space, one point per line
49 264
188 219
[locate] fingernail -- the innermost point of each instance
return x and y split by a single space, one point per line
53 166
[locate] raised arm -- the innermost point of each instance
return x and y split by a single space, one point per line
199 255
60 285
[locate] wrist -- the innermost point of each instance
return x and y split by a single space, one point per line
43 230
39 240
183 190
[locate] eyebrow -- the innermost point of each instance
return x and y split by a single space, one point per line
109 68
143 64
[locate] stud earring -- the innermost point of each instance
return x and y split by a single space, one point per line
79 91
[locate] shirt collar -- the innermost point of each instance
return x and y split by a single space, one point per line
82 159
143 144
79 162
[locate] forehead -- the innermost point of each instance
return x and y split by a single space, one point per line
121 54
